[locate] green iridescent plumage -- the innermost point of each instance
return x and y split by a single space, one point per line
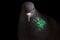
40 23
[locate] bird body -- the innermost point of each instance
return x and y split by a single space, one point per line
31 29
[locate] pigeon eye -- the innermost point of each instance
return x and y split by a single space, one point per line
25 10
33 9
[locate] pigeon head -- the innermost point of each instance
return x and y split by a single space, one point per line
28 6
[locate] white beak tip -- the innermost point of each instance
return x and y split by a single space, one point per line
29 15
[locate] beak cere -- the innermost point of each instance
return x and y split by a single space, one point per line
29 15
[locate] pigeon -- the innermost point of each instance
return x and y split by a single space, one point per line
33 25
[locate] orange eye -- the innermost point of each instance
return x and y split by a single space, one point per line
33 9
25 10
